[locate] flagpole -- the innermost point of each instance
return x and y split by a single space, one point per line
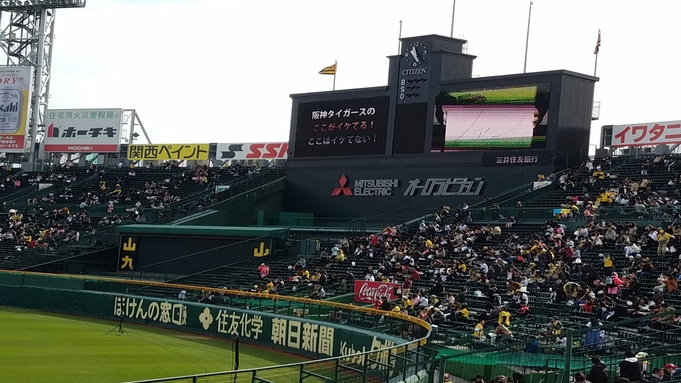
399 40
527 37
597 51
335 65
451 30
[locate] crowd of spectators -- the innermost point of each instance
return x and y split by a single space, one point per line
647 192
46 230
603 269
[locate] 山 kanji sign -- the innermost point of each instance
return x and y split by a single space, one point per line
651 133
83 130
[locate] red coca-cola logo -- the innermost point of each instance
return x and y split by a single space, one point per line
369 292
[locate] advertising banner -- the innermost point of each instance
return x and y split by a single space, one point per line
296 335
386 187
651 133
527 157
165 152
370 292
83 130
15 98
253 151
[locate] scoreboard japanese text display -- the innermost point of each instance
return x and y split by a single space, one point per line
491 119
342 128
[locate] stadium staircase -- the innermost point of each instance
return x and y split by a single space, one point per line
231 206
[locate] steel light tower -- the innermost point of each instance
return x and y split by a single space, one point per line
27 39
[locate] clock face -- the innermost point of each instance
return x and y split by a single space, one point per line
415 54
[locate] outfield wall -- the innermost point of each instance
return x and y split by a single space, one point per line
312 338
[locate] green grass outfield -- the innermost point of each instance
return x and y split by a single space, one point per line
44 347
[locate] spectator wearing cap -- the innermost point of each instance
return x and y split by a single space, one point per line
669 371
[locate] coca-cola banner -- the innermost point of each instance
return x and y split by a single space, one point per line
369 292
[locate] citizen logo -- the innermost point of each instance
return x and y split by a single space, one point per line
411 72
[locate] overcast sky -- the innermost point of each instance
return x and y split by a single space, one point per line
223 70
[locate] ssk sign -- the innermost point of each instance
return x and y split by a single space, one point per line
369 292
253 151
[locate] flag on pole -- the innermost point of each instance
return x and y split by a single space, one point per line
598 43
331 69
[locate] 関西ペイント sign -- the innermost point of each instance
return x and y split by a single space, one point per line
166 152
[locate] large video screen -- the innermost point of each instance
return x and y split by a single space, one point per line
491 119
342 128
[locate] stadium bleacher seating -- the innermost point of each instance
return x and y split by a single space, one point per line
507 238
519 251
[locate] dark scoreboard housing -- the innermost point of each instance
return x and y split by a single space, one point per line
438 135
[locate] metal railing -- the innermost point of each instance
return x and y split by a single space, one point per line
536 214
389 364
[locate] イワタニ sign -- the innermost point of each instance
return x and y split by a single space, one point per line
651 133
253 151
15 96
83 130
166 152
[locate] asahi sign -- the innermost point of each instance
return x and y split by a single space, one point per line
370 292
417 187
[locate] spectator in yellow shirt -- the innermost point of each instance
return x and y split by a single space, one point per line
662 241
462 267
463 312
341 256
608 264
505 317
479 331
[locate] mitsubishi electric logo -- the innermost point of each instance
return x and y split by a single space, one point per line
417 187
341 189
370 187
